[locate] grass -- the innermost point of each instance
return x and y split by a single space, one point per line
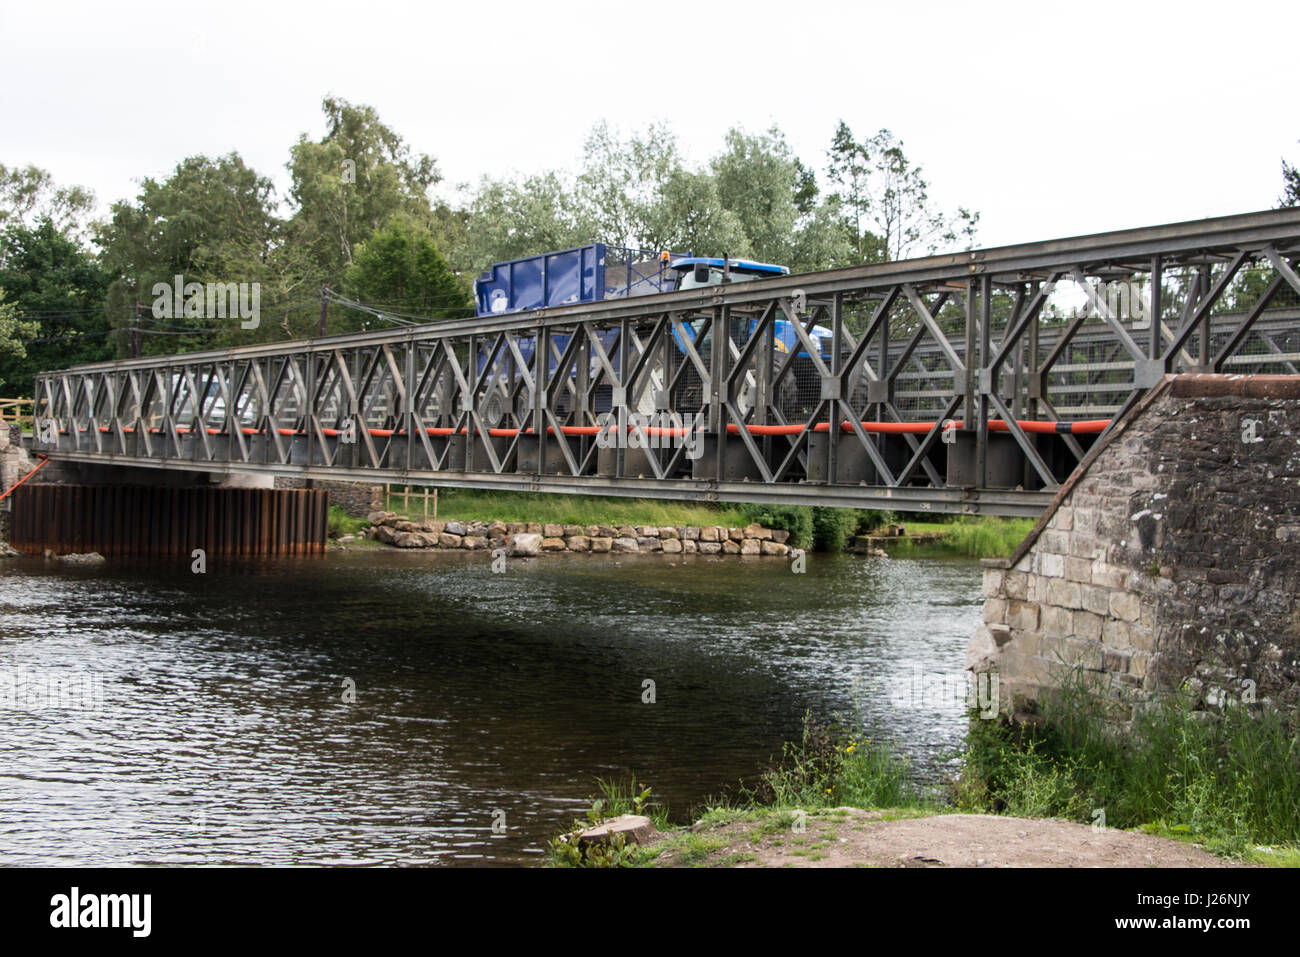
493 506
1229 781
982 537
341 523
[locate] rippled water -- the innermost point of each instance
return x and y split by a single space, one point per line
222 736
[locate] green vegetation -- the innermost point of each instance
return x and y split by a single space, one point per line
983 537
825 529
1229 781
832 766
341 523
492 506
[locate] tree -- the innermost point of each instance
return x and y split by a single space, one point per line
28 195
58 286
513 218
12 331
210 221
1290 186
637 193
775 197
401 268
349 184
886 200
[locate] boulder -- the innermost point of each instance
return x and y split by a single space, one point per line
666 532
411 540
473 542
601 543
635 829
572 530
774 548
386 535
625 544
691 533
578 543
671 545
524 545
553 544
406 526
779 535
626 531
83 558
551 530
709 533
647 531
736 534
730 548
379 518
709 548
649 544
448 540
534 528
751 546
456 528
434 526
689 546
516 528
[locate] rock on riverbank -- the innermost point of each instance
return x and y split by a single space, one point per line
530 539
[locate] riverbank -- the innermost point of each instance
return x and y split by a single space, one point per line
531 539
811 528
1178 788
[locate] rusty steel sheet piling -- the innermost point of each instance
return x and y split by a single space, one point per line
120 521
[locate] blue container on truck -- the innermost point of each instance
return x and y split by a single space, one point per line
597 272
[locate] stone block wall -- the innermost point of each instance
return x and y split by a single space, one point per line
355 498
1168 560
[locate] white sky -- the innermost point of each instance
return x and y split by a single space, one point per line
1057 121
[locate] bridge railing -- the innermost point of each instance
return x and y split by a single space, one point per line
959 382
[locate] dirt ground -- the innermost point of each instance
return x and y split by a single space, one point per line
847 837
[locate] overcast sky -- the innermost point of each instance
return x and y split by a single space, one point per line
1057 121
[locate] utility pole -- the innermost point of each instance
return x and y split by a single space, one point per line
324 302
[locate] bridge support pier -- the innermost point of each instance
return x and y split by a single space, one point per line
1167 561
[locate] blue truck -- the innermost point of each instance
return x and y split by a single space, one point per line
597 273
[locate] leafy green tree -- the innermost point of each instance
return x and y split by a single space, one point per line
28 195
210 221
1290 186
59 287
638 193
401 268
514 218
886 200
775 197
13 331
350 183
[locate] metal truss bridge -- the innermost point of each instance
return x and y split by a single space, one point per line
969 382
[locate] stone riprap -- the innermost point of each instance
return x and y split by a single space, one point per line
1167 561
529 539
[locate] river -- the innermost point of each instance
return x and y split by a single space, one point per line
382 707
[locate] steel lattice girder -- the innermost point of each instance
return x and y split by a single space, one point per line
522 401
